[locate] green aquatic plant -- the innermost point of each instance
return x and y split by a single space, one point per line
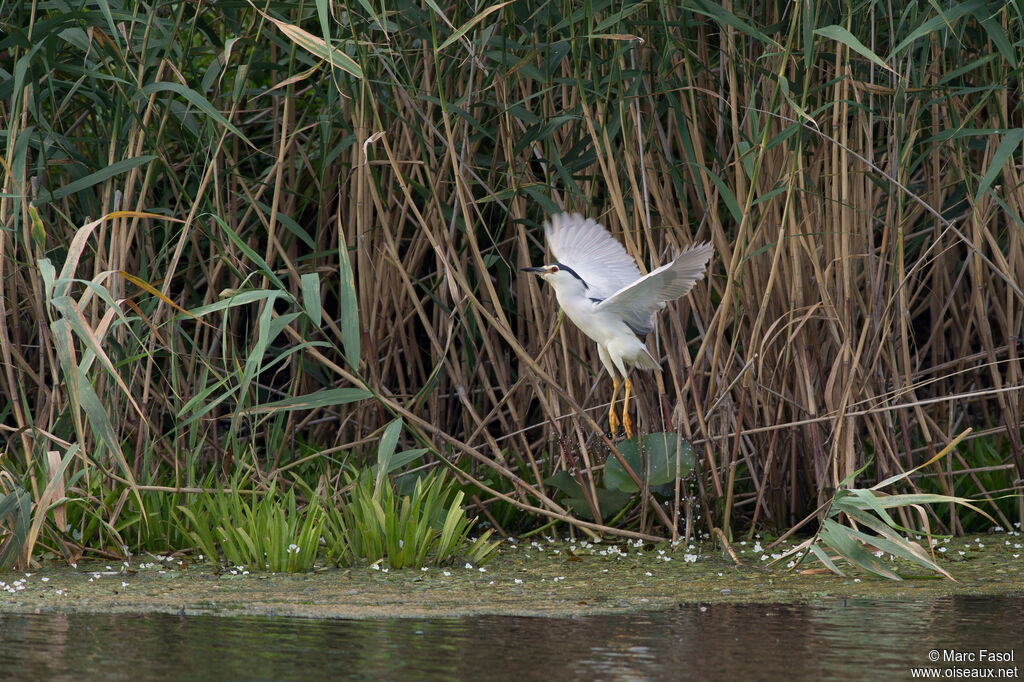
377 522
32 508
982 469
870 532
429 525
266 530
658 462
15 522
274 530
102 516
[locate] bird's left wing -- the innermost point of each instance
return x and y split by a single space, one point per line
592 252
636 303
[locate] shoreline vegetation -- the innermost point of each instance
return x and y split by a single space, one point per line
259 296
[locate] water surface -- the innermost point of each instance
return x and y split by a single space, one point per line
836 641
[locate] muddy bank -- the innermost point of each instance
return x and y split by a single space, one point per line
531 578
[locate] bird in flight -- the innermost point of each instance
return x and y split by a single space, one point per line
600 288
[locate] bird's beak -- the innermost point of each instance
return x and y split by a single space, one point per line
531 269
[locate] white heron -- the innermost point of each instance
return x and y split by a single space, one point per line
600 288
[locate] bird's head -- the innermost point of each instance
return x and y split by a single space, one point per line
559 276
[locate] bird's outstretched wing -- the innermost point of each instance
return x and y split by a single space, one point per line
637 302
590 250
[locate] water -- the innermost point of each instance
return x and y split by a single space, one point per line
837 641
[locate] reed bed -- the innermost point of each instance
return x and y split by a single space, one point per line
247 236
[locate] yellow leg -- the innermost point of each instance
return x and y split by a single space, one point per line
613 421
626 424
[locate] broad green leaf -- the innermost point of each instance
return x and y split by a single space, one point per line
848 481
15 517
1010 145
242 246
842 539
727 196
198 101
470 24
660 449
235 299
563 480
74 317
996 35
49 274
825 559
609 501
385 450
944 20
95 178
288 222
452 524
349 308
859 498
318 47
400 459
840 34
323 14
541 196
311 297
889 501
325 398
722 16
890 542
46 499
616 18
83 396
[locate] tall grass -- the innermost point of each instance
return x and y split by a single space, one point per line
250 236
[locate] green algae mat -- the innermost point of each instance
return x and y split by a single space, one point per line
537 577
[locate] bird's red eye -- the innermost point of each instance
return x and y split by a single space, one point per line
554 268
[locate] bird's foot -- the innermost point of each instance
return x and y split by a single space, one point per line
627 425
613 424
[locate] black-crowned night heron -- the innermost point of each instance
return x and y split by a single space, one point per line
600 288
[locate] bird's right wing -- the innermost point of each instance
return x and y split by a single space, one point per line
637 302
590 250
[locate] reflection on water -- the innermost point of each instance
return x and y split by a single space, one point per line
841 641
